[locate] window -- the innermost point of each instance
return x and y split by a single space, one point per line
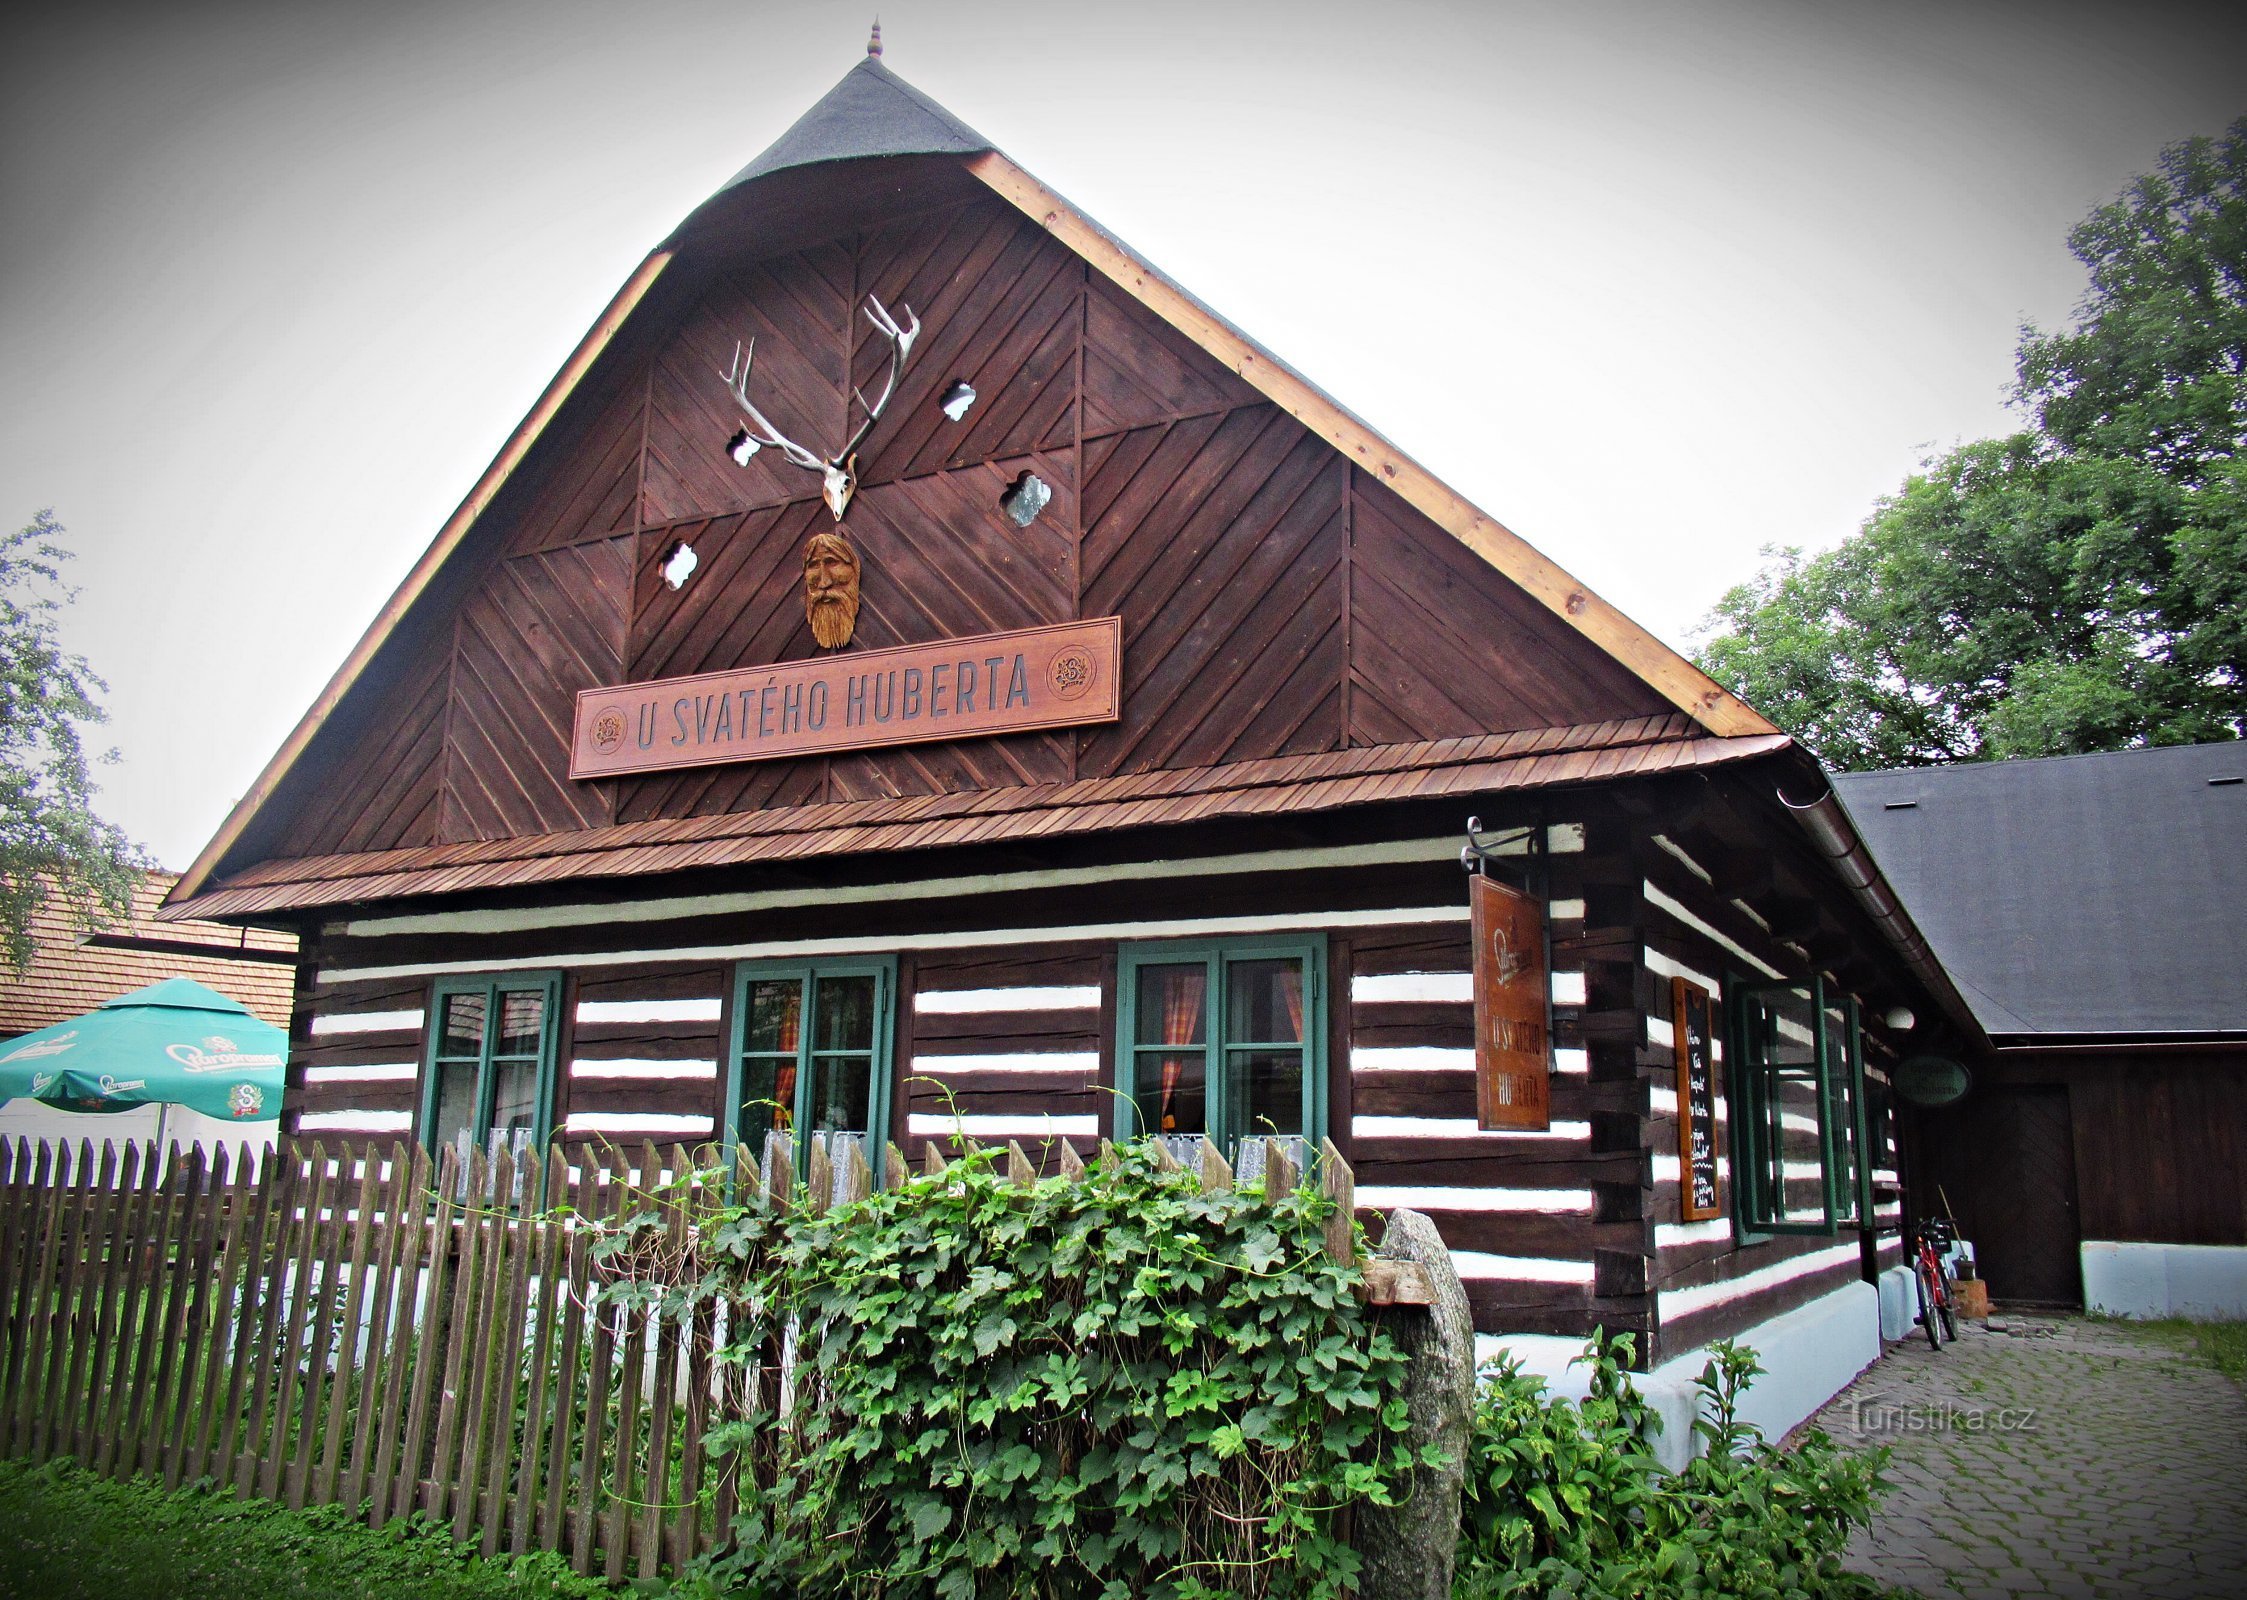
1797 1099
491 1060
811 1054
1222 1040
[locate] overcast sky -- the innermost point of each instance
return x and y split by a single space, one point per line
1656 284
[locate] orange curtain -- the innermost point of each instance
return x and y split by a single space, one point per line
1291 997
1183 1000
784 1081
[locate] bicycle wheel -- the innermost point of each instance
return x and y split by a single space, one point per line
1943 1306
1926 1304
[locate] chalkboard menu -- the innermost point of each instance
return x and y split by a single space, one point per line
1698 1199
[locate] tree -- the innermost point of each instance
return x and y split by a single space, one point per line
2080 585
53 848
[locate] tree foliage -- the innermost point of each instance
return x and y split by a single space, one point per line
53 847
2080 585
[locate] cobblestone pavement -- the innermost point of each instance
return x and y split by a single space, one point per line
2053 1457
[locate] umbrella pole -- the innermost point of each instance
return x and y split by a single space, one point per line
163 1156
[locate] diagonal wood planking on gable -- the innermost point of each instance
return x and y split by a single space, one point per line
539 629
400 804
1444 645
999 306
1138 369
594 488
1220 541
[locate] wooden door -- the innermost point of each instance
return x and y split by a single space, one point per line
2005 1158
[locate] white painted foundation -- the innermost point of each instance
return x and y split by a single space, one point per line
1899 1303
1809 1355
2207 1282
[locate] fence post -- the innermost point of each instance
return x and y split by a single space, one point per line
1408 1548
1340 1185
1214 1170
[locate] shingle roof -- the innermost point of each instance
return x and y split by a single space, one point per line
1328 780
2077 895
68 977
871 112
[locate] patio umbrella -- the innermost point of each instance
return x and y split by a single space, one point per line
172 1043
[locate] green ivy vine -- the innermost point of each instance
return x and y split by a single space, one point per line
967 1388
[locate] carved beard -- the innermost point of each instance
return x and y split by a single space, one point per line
833 616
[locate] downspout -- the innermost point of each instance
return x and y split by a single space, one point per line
1835 837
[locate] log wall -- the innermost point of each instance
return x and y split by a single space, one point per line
1006 1021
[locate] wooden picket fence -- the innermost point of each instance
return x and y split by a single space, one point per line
370 1329
366 1328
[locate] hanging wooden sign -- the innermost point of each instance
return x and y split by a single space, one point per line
1513 1083
1698 1198
1061 676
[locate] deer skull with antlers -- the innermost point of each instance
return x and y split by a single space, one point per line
839 472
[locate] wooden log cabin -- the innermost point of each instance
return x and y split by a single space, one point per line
1086 750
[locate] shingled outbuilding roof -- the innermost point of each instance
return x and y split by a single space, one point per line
2077 896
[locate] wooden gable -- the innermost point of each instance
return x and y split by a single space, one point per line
1281 592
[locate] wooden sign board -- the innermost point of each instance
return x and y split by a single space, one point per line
1061 676
1698 1196
1513 1083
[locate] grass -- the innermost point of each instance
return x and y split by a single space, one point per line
68 1535
2223 1345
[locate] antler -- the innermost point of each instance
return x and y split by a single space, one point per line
737 384
901 344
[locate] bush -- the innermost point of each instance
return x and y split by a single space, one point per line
1566 1499
1105 1387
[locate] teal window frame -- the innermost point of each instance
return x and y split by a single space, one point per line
491 986
1755 1129
1309 949
883 970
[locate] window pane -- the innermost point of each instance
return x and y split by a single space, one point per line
464 1026
842 1091
455 1111
775 1015
1264 1093
1265 1002
1788 1113
1841 1118
1173 1091
845 1011
514 1096
768 1098
1170 1005
522 1019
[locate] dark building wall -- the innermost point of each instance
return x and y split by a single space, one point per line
2054 1147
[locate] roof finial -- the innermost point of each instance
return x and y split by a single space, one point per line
874 44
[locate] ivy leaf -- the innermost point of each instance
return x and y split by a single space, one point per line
930 1518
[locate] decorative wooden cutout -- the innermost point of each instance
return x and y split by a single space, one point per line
1513 1082
831 588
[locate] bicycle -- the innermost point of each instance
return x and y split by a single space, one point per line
1931 1275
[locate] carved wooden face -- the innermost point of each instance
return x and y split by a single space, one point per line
831 589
